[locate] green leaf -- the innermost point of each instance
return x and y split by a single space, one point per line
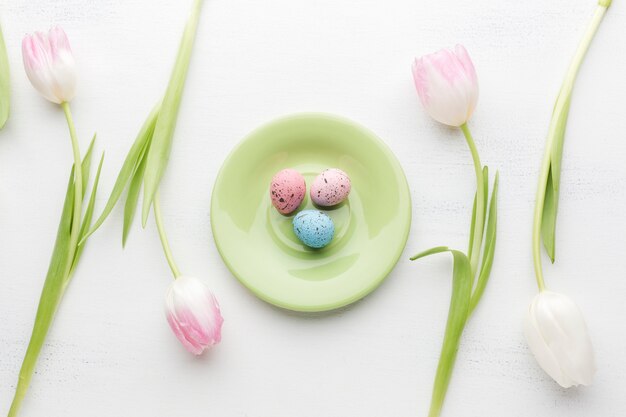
490 247
431 251
166 124
84 228
472 227
473 224
548 219
53 290
457 318
133 159
551 197
132 198
86 164
5 83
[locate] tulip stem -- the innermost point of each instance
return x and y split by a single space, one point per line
78 189
163 236
480 201
556 135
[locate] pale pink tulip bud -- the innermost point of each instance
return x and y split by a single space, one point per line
50 65
193 314
447 85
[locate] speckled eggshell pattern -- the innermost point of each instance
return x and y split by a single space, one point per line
330 188
287 190
314 228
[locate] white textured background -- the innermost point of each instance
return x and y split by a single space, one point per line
110 352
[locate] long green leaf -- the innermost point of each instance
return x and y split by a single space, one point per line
457 318
131 162
5 83
551 198
431 251
166 124
84 228
86 164
53 290
472 227
473 224
490 247
132 198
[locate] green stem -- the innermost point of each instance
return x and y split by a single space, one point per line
561 106
163 236
480 201
78 188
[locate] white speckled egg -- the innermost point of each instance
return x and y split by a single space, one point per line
330 188
287 190
314 228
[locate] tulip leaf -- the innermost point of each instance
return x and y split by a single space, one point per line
161 146
548 219
84 228
490 246
552 186
473 224
53 289
5 85
457 318
86 164
132 198
431 251
135 154
472 227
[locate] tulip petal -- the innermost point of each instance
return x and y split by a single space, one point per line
558 337
542 352
447 85
49 64
193 314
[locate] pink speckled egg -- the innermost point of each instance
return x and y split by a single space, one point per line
287 190
330 188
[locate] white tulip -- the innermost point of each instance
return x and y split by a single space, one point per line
557 335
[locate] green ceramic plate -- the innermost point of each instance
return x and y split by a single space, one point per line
258 244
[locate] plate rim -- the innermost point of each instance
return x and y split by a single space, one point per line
403 239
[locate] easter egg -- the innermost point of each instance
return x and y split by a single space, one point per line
314 228
330 188
287 190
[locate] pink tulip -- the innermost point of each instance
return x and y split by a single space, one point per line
447 85
193 314
50 65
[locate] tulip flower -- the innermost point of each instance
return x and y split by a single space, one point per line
447 85
546 204
193 314
557 335
50 65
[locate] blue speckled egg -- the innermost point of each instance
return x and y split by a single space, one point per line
314 228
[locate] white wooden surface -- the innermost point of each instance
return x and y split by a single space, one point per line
110 351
